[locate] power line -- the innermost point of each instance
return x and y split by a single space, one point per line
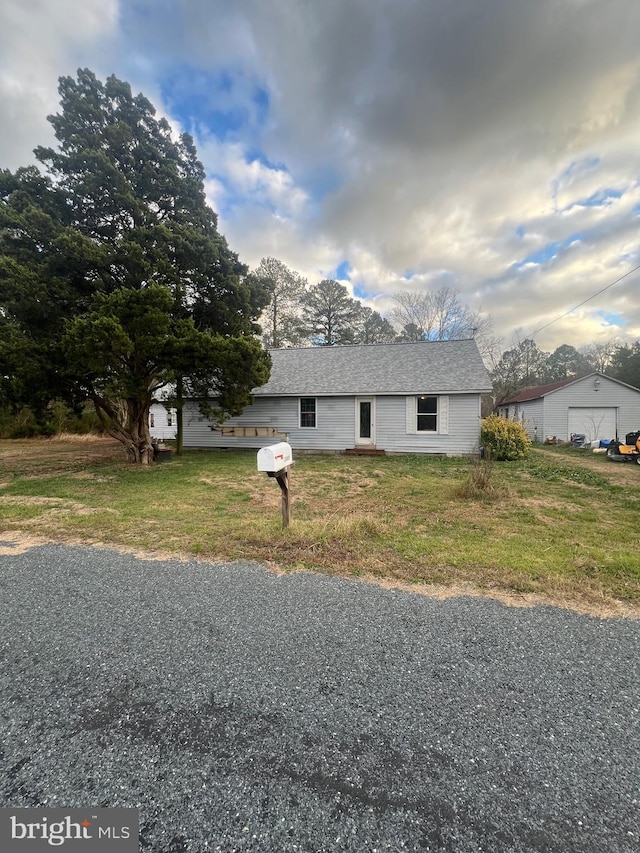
575 307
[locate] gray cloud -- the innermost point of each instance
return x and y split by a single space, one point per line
39 42
409 135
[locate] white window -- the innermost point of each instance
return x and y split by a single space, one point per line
308 412
152 420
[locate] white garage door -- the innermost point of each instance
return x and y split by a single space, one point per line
593 423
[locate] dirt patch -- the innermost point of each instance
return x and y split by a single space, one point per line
55 505
606 610
18 543
51 457
561 507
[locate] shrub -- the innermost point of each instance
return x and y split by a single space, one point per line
57 419
504 440
19 424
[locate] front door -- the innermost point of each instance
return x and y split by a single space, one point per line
365 421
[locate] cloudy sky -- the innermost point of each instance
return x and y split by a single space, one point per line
489 145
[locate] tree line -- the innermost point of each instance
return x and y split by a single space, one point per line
325 314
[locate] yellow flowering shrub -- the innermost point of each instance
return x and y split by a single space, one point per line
504 440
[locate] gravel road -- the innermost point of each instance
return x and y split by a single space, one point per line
242 711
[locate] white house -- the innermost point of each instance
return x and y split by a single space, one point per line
595 406
398 398
162 420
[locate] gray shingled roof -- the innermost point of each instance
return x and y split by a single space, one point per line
433 367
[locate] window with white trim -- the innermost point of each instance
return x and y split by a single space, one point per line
308 412
427 414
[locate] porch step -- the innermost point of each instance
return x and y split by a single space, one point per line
364 451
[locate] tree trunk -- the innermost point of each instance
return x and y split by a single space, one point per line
275 343
140 433
128 422
179 418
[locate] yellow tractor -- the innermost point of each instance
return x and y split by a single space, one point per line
627 452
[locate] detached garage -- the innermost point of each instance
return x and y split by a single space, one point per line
595 406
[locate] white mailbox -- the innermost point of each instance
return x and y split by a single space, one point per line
274 458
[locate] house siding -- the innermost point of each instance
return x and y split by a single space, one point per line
462 438
531 415
161 428
336 424
335 429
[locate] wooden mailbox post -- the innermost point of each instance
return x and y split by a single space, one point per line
277 461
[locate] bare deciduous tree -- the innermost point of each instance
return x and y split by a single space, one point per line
441 316
600 356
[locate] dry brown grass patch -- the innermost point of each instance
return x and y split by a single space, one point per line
73 438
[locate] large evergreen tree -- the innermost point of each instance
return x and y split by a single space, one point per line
372 328
330 314
113 277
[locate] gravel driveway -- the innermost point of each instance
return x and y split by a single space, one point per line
242 711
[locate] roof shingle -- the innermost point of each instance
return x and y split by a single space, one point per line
435 367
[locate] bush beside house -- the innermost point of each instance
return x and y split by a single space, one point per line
504 440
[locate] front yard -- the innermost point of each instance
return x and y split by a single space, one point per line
561 526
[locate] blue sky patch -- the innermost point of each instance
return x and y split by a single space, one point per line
598 198
602 196
252 154
611 319
361 292
343 271
575 169
546 253
219 103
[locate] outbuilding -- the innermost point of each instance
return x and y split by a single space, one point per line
595 406
421 397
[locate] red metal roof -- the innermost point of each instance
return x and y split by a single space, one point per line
540 391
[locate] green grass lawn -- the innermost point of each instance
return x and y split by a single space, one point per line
558 524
